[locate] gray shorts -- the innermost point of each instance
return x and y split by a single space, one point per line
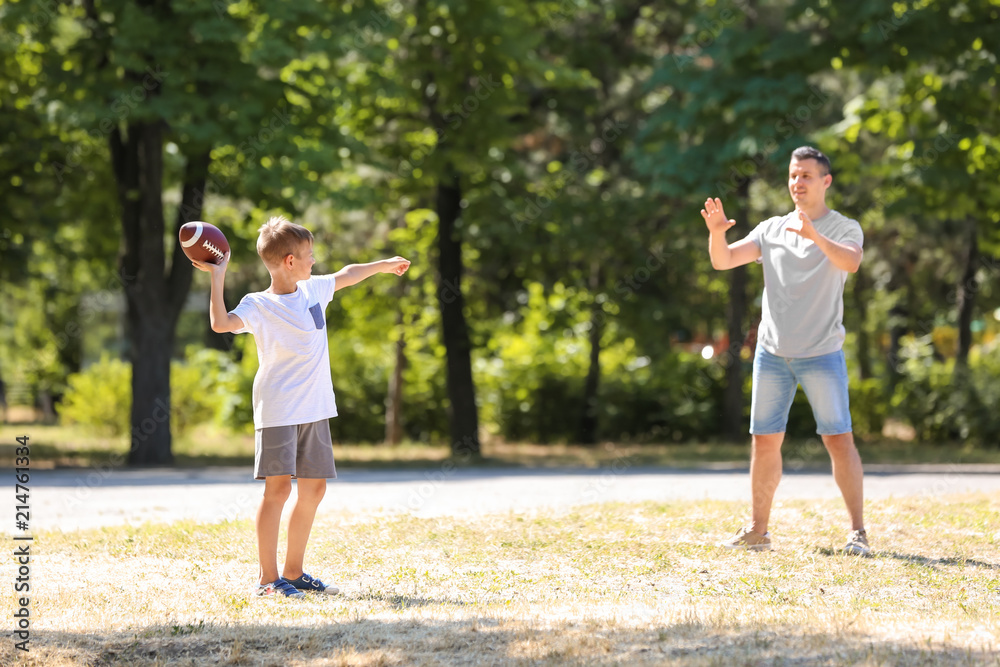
305 451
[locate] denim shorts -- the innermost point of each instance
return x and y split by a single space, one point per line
823 378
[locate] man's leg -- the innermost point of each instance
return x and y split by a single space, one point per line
276 490
825 382
765 473
848 474
310 493
773 391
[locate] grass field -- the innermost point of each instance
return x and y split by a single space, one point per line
603 584
53 446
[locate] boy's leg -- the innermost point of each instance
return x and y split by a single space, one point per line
276 490
310 493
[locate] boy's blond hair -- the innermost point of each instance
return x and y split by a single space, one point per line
280 238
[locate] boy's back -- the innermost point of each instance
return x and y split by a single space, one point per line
293 384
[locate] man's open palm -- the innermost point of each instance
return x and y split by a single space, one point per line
715 217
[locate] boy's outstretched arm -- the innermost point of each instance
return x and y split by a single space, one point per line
221 320
352 274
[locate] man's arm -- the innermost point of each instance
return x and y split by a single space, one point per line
844 256
352 274
732 255
221 320
723 255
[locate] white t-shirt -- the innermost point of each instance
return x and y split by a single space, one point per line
803 307
293 384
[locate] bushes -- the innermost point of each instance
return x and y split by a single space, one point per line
654 408
678 399
100 396
530 388
531 381
943 404
202 388
869 406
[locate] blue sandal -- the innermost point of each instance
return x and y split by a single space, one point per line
309 583
279 587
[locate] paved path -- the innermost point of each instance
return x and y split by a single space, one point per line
73 499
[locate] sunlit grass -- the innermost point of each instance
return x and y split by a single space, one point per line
602 584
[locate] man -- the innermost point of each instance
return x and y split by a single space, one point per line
806 256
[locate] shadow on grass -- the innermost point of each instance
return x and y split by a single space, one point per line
399 602
934 562
484 641
914 558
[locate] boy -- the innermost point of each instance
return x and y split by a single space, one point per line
292 392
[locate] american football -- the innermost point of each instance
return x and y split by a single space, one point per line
203 242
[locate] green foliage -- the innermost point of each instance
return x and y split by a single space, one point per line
205 387
869 406
531 378
945 403
584 134
532 381
677 397
236 408
98 398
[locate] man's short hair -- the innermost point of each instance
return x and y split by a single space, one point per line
280 238
810 153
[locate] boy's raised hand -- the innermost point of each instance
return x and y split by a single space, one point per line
397 265
715 217
214 269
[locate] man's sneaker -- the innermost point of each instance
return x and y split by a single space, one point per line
308 583
748 540
857 543
279 587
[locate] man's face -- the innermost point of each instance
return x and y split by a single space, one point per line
807 183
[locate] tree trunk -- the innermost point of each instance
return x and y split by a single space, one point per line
587 433
967 289
154 298
462 411
394 396
3 400
899 320
733 425
858 292
216 341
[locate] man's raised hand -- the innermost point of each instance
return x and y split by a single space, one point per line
806 231
715 217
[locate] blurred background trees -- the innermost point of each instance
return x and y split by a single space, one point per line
542 164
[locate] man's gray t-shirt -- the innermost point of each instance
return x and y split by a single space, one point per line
803 307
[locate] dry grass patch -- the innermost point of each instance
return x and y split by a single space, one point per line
603 584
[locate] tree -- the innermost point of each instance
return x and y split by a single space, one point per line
443 96
187 93
737 98
46 264
932 101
